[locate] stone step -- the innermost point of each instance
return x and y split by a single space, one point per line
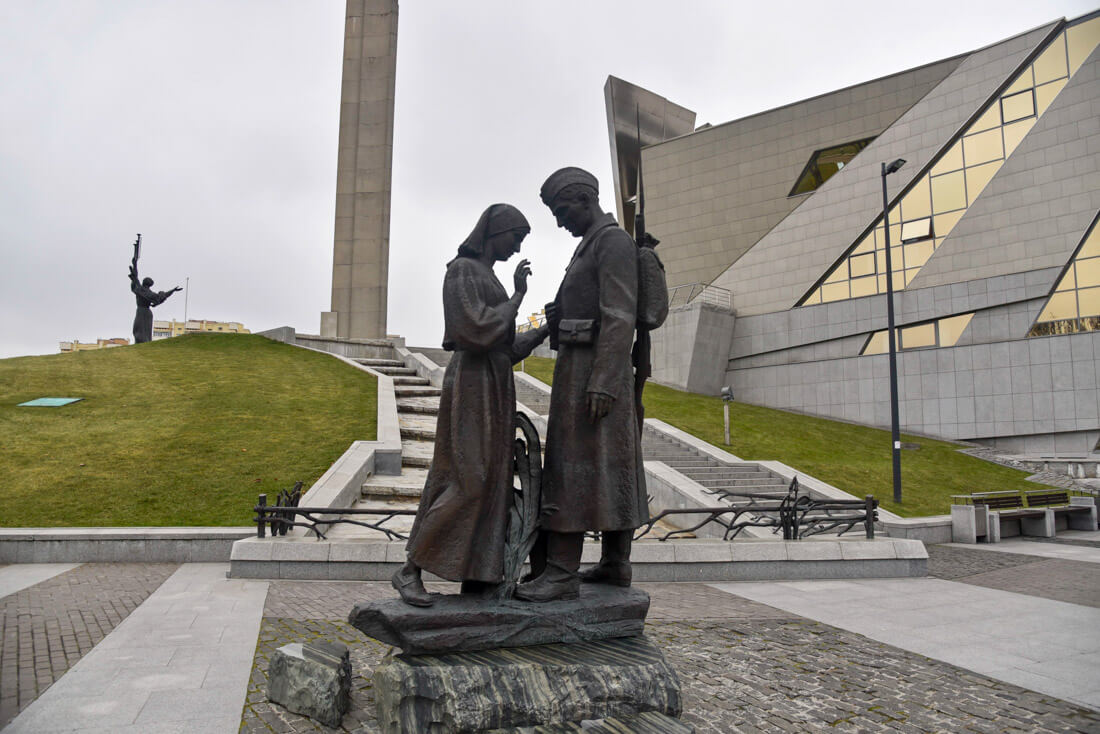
732 469
416 453
401 523
763 478
396 371
677 463
407 380
416 391
375 362
407 486
422 405
775 490
417 434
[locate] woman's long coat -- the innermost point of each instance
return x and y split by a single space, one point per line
460 527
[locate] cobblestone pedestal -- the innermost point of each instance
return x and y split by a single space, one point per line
525 686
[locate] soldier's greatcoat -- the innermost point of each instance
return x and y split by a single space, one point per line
593 477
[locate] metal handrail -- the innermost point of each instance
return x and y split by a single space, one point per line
713 295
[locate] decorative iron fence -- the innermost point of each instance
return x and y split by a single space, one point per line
796 516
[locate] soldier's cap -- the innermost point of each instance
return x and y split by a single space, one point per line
563 177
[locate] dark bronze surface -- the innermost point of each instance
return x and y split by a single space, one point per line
146 299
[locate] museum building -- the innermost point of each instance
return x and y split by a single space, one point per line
771 230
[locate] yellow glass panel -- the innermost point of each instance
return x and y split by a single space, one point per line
948 192
1068 282
1081 40
938 242
1015 132
1088 272
916 255
814 298
880 239
1017 106
899 277
1091 247
977 178
1045 94
834 291
861 265
1060 306
909 275
1051 64
867 244
839 273
921 335
944 223
982 147
877 344
882 284
864 286
1089 302
917 203
952 160
920 229
952 328
990 118
1026 80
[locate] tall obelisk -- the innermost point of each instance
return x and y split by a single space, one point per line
360 253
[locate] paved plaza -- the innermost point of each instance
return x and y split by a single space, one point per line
997 639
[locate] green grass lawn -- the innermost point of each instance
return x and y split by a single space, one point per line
854 458
184 431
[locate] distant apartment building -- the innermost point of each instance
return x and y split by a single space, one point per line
166 329
76 346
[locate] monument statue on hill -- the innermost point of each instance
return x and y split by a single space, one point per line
146 299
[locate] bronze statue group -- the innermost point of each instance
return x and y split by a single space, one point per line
593 477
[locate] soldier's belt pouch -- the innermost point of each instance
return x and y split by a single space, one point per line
577 331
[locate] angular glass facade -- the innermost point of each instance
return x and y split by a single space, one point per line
824 163
930 209
1074 305
938 333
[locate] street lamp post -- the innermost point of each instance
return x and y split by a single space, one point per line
895 432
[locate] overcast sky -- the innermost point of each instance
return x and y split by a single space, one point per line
210 127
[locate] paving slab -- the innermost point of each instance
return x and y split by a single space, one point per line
1087 553
19 576
179 662
47 627
973 627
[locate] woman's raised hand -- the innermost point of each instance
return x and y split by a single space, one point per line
523 270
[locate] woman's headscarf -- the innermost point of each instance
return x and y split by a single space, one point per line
494 220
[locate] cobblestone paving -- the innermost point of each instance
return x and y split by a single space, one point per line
1076 582
952 563
744 667
46 628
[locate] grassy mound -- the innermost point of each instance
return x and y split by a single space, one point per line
184 431
854 458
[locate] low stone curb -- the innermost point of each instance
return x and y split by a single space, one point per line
119 545
679 560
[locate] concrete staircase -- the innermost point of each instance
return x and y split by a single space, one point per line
727 482
417 410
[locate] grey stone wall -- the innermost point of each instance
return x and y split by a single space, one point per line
711 195
1036 395
691 347
808 241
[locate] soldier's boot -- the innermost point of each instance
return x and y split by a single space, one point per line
614 565
559 581
410 586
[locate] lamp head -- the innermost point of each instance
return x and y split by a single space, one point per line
893 167
727 393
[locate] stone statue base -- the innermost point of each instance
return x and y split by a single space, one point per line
457 623
539 686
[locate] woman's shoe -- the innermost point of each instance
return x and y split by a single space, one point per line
411 588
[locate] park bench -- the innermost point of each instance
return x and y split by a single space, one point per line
982 516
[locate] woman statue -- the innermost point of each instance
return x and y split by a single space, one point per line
460 526
146 299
